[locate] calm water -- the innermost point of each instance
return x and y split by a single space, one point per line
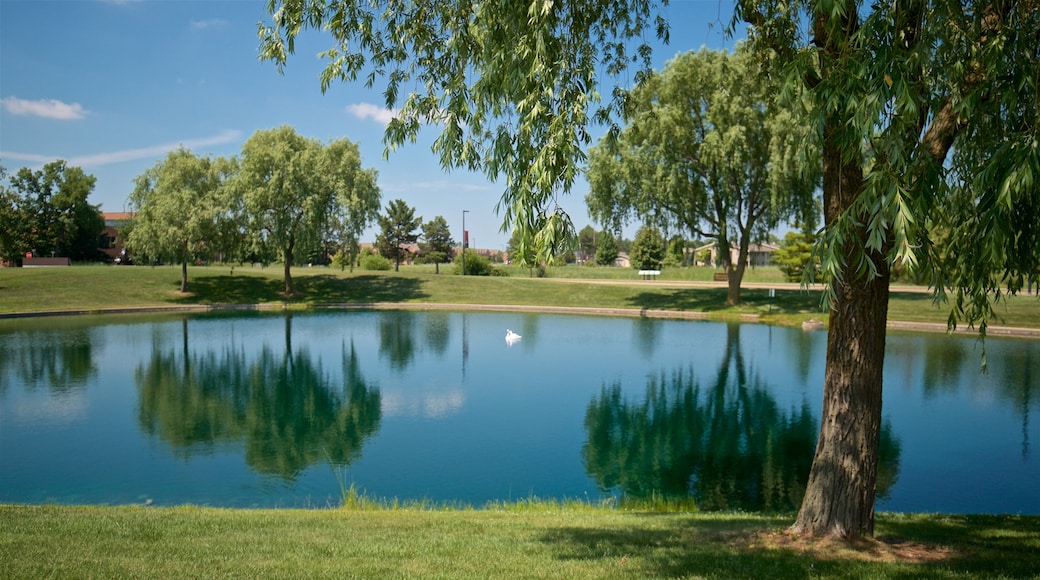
268 410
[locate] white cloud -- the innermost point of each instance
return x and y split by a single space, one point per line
211 23
47 108
226 136
369 111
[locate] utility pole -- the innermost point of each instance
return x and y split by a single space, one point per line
464 212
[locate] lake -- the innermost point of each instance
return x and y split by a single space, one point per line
252 409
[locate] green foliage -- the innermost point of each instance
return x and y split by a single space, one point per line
399 225
795 252
708 150
648 249
587 244
11 221
607 251
375 262
476 265
176 204
298 191
50 214
341 259
437 246
512 84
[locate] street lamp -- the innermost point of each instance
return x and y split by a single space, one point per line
464 212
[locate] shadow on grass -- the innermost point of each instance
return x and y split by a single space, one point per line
689 548
310 289
714 300
985 546
940 547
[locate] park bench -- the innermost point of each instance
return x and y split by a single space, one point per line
646 274
720 277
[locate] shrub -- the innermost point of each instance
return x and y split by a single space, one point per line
476 265
375 262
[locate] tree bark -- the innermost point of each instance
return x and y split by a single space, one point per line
290 290
736 271
839 497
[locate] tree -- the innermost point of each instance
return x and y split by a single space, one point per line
794 254
928 115
587 244
607 251
357 196
513 84
57 219
399 225
175 205
11 222
890 88
294 189
708 149
648 249
437 247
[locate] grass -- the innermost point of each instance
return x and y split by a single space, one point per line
535 541
95 287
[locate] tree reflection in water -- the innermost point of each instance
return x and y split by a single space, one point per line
60 361
282 408
727 445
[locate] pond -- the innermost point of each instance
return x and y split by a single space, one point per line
255 409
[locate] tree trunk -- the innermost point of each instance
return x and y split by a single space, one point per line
735 273
839 497
184 275
290 290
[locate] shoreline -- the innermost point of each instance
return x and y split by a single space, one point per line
930 327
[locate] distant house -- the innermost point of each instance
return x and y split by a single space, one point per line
758 254
111 243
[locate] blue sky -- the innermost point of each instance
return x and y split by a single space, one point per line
111 86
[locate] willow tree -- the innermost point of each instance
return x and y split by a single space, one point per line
892 86
294 190
175 205
928 115
707 149
513 84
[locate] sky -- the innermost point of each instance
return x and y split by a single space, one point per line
113 85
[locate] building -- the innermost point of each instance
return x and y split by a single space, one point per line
758 254
111 240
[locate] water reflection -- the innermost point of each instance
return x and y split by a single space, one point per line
60 361
727 444
283 408
397 338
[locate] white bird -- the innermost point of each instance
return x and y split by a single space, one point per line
511 336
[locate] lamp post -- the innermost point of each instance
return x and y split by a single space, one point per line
464 212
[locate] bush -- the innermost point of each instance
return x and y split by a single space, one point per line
476 265
375 262
340 260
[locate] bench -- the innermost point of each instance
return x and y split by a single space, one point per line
720 277
646 274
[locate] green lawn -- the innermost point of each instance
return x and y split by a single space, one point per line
97 287
535 541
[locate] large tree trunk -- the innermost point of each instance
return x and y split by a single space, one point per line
839 497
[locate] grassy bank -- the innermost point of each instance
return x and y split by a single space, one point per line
98 287
540 541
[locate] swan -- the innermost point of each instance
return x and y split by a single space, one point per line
511 336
